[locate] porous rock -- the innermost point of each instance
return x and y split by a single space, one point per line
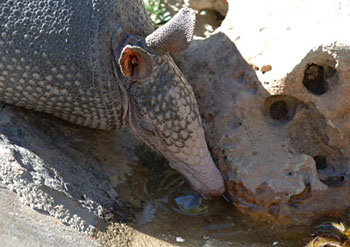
63 170
273 94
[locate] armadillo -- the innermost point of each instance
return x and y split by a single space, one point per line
101 64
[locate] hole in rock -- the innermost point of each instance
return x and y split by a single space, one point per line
321 162
315 78
274 209
279 110
329 174
333 181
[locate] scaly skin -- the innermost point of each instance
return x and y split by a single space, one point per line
55 56
89 62
165 115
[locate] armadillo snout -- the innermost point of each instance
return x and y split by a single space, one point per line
196 164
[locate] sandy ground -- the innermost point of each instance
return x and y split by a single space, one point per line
119 234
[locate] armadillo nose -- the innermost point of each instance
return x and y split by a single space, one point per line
202 174
214 183
208 177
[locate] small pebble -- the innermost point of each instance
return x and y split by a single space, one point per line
180 239
11 159
205 237
266 68
275 243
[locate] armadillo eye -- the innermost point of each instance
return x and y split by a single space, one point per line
147 126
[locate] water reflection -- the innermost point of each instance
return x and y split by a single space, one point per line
175 211
189 203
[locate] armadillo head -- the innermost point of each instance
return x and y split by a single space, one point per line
160 106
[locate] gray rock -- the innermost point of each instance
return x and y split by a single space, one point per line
21 226
274 97
65 171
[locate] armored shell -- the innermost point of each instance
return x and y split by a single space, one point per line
55 56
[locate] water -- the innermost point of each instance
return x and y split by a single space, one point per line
175 213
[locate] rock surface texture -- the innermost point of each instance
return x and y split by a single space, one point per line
273 91
68 174
274 98
220 6
63 170
21 226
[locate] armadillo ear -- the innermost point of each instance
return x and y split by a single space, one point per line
135 63
174 36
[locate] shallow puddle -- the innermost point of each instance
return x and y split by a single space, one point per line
173 212
189 222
